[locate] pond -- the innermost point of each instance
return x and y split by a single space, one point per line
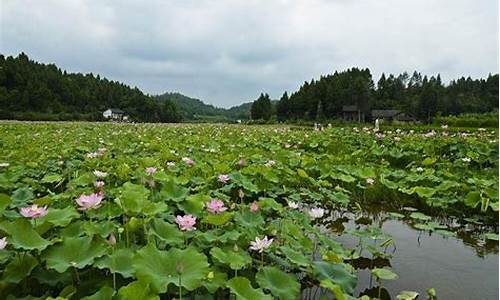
463 266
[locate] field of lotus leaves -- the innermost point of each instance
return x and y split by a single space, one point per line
149 211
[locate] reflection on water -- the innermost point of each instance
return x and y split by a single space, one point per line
459 267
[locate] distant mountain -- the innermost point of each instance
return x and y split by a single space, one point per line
193 109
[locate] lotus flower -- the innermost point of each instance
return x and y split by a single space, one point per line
170 164
270 163
466 160
91 201
216 206
34 211
188 161
316 213
150 170
224 178
92 155
444 126
370 181
3 243
420 169
254 207
260 245
4 165
100 174
99 184
241 163
186 222
111 240
293 205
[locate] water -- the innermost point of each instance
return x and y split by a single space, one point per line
457 267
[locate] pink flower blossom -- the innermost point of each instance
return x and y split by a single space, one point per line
241 163
186 222
99 184
254 207
34 211
224 178
3 243
91 201
150 170
370 181
111 240
260 245
216 206
188 161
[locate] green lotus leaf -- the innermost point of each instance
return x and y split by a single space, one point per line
407 295
167 232
241 287
336 289
218 219
19 268
138 290
248 219
5 201
384 274
134 197
102 228
22 235
472 199
77 252
194 204
491 236
420 216
281 284
105 293
159 268
51 178
235 259
336 273
396 215
173 191
295 257
61 217
424 227
215 280
271 203
154 208
118 262
21 196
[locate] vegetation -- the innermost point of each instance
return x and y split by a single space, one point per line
421 96
34 91
143 211
469 120
262 108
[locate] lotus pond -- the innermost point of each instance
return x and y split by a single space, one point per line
149 211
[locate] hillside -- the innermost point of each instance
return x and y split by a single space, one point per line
192 109
35 91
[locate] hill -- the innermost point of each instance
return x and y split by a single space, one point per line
34 91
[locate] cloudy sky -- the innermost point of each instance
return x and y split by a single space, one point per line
226 52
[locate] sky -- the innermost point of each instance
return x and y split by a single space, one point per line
227 52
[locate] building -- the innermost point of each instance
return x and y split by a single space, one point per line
392 115
352 113
114 114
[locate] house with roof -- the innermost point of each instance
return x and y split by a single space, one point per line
115 114
352 113
392 115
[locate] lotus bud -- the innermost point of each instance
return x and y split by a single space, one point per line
235 248
241 194
111 240
210 275
179 268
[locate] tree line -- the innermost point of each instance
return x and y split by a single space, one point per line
34 91
420 96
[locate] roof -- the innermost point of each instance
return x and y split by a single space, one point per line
348 108
116 111
385 113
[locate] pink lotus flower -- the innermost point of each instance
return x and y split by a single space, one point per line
188 161
111 240
186 222
150 170
3 243
241 163
254 207
224 178
260 245
99 184
34 211
91 201
216 206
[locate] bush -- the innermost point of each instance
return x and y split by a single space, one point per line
469 120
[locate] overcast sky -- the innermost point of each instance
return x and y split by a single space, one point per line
226 52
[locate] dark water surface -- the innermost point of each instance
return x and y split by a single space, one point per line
457 267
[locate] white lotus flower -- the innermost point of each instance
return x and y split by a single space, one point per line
316 212
260 245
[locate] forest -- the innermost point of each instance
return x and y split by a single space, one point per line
33 91
419 95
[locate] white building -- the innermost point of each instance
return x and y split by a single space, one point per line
114 114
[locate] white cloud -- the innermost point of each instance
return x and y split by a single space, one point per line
226 52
